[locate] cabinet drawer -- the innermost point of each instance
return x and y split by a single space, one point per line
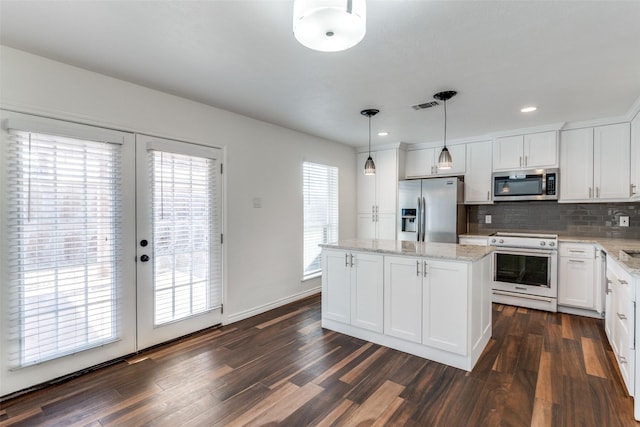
577 251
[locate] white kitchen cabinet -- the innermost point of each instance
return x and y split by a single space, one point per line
352 290
377 195
477 178
635 157
536 150
619 323
444 302
403 298
577 281
594 164
423 162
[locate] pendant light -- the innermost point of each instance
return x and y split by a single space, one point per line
445 161
329 25
369 166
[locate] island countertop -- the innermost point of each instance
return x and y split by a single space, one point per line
450 251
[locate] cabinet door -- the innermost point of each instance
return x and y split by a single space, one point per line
336 285
576 279
609 307
541 150
386 181
444 299
403 298
459 157
386 226
367 291
611 161
419 163
366 226
576 164
508 153
477 179
635 157
366 184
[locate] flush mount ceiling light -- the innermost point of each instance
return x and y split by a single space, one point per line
445 161
329 25
369 166
528 109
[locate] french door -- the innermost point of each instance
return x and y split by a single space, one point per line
178 239
110 243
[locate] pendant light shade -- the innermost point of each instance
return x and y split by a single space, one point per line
445 161
369 165
329 25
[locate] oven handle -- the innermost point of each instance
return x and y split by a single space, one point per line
524 251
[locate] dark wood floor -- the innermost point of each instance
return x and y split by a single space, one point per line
282 368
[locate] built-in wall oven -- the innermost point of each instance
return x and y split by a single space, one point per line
525 270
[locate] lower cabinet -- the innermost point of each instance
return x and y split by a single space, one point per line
353 288
577 284
403 298
619 321
444 303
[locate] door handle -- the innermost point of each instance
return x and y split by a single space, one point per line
425 266
621 316
144 258
417 268
633 189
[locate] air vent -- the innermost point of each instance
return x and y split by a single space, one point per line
425 105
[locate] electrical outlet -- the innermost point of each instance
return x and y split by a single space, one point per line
624 221
487 219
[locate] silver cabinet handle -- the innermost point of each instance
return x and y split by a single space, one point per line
351 263
520 161
632 190
621 316
597 192
576 261
417 268
622 359
589 192
608 290
488 195
424 268
346 259
526 160
623 282
576 251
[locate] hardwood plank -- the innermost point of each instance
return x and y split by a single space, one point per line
376 405
509 353
519 406
530 354
344 362
542 413
594 358
360 370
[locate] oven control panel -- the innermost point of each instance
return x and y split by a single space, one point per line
525 240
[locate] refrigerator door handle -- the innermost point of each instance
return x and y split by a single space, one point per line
424 219
419 220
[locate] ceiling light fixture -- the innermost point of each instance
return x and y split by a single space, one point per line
528 109
329 25
445 161
369 166
383 133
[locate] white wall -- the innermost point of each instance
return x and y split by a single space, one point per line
263 247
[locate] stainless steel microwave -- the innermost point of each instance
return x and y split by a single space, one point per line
532 184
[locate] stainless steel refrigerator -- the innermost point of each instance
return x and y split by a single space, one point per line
431 210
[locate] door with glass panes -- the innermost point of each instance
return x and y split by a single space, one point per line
179 245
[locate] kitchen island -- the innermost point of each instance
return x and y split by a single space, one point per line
431 300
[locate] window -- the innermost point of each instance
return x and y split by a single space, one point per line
320 191
63 213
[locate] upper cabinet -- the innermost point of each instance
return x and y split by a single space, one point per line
536 150
594 164
635 157
423 162
477 179
377 195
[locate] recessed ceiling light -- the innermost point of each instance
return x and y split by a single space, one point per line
528 109
383 133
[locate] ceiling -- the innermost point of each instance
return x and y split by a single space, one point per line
574 60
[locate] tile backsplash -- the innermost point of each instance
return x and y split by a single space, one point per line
579 219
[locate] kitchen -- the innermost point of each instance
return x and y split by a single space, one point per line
39 82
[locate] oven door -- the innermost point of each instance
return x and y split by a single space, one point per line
526 271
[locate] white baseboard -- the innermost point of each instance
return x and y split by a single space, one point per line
236 317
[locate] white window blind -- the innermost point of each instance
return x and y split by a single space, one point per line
184 221
320 192
63 219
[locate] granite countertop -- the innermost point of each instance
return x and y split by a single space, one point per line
450 251
613 247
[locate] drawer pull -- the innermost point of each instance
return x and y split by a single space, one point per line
622 359
621 316
608 290
576 261
623 282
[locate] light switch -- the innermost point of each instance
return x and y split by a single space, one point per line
487 219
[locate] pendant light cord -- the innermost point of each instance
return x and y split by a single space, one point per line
369 135
445 123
